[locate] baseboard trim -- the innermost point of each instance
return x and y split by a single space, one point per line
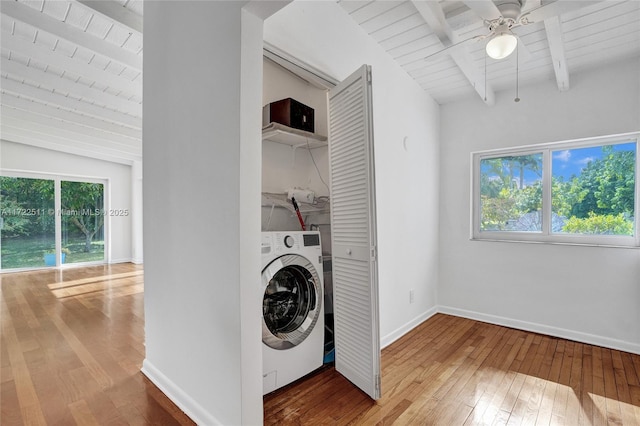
407 327
115 261
563 333
179 397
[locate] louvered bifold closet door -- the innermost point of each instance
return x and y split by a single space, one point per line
353 233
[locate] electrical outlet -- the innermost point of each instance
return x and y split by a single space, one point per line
411 294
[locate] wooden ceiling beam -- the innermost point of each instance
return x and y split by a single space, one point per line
548 10
46 23
114 11
59 60
48 97
87 136
18 103
76 90
485 9
28 136
553 28
433 14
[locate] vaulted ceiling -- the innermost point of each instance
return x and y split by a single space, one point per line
71 70
562 37
71 76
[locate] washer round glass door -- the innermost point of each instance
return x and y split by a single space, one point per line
291 301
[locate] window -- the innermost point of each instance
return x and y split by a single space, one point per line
46 221
27 229
82 221
576 192
511 193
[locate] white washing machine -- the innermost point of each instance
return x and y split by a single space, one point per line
292 310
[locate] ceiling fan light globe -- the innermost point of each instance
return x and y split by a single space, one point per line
501 46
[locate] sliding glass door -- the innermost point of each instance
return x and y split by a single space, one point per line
27 222
47 222
82 220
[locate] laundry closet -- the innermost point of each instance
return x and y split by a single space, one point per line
297 326
319 254
295 161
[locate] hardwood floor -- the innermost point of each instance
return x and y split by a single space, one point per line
72 347
454 371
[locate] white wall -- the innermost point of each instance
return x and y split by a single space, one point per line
324 36
29 158
586 293
201 147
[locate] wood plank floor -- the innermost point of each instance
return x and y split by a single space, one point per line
72 345
454 371
71 349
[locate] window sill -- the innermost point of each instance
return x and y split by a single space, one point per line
557 242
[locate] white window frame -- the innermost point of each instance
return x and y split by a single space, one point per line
546 236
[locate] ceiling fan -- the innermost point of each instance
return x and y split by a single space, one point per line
503 41
502 16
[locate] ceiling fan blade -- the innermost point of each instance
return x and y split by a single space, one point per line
486 9
451 47
549 9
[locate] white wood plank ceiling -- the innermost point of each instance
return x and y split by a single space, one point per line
566 36
71 70
71 76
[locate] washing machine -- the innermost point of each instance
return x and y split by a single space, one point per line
292 309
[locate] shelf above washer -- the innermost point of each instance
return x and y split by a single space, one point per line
276 132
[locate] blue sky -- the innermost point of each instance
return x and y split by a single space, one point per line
571 161
568 162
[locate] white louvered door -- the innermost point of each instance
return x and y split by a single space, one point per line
353 232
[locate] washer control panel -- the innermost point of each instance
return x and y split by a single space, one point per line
286 242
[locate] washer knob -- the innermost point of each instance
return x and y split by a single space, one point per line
289 241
